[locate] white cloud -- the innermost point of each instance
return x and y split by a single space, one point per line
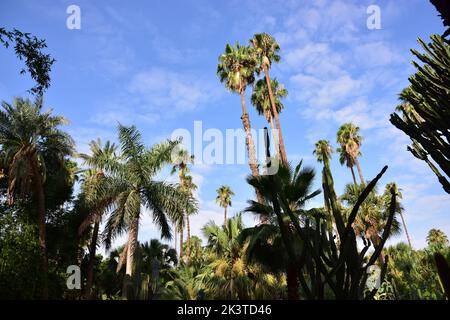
325 92
375 54
161 88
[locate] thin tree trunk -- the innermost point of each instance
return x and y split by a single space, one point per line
90 270
225 216
39 188
275 113
181 242
359 171
188 240
406 230
249 140
250 148
275 139
353 175
175 237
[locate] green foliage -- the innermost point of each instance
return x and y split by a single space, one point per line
29 48
261 100
237 67
413 273
19 258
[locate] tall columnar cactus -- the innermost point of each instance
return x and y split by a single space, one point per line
425 108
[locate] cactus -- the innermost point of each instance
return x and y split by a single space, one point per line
444 272
325 265
425 108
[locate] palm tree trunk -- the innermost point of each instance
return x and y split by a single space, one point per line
131 253
175 245
225 216
275 139
181 242
188 240
39 189
353 175
132 245
249 140
275 113
90 270
250 148
359 171
406 230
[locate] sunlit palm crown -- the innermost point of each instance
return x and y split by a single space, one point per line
224 194
237 67
436 236
323 150
267 48
260 96
349 139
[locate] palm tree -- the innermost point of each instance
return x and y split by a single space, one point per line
180 162
267 52
93 178
323 152
350 141
436 237
400 209
29 138
233 276
130 182
285 194
347 160
261 100
372 215
223 198
188 188
236 69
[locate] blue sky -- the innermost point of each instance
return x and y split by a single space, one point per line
153 64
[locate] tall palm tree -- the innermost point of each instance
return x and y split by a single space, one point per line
400 209
93 177
224 194
180 162
130 182
267 52
188 188
28 139
285 194
261 100
350 141
323 152
236 69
